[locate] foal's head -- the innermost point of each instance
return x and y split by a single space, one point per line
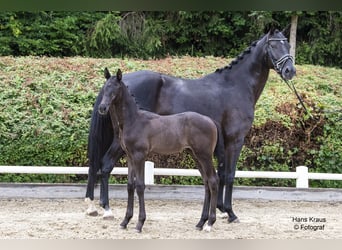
111 90
278 51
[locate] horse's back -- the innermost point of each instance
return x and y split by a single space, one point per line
145 85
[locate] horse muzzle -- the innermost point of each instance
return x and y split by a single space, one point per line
288 71
103 109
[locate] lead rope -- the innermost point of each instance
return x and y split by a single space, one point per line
278 65
293 88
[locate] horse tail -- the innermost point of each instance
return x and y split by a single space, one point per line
100 137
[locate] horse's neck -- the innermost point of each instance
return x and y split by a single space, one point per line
253 69
126 109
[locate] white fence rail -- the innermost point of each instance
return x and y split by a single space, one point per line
301 175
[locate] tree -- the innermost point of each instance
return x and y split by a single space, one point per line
293 36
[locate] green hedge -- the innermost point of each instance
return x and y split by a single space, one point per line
46 104
156 34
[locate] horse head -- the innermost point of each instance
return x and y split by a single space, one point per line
278 51
111 90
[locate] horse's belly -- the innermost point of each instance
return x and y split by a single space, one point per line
166 147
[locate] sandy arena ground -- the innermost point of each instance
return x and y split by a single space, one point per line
170 219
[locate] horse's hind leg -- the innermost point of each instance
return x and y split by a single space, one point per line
213 186
206 205
210 197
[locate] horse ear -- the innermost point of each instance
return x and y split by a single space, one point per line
286 30
272 30
119 75
107 73
271 27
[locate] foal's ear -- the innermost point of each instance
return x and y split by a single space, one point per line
106 73
119 75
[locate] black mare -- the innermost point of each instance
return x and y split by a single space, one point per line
228 96
142 132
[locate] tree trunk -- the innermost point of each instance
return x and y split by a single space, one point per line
293 35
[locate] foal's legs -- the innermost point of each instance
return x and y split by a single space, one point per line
206 202
140 187
136 168
130 199
210 180
213 186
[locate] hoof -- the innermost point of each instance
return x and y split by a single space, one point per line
233 220
92 213
138 231
199 228
108 215
123 227
207 228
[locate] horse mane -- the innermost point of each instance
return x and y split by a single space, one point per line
135 99
239 57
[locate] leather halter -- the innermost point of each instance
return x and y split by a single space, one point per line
278 64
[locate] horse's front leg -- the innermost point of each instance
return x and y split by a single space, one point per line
140 187
220 156
113 154
89 199
130 199
221 184
232 154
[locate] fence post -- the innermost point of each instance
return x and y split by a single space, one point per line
149 173
303 177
